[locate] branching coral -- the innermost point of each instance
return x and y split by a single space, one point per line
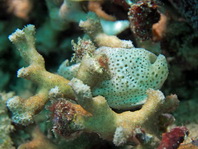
159 28
94 29
64 12
95 6
142 16
108 92
6 128
39 141
119 128
22 109
124 75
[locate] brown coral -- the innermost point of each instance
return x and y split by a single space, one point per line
159 28
142 16
95 6
39 141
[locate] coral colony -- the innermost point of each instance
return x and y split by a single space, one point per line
107 95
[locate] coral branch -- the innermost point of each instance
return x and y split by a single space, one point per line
93 28
24 110
25 43
95 6
5 128
91 71
38 141
119 128
142 16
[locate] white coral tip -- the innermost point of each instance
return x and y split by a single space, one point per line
21 72
81 90
17 34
